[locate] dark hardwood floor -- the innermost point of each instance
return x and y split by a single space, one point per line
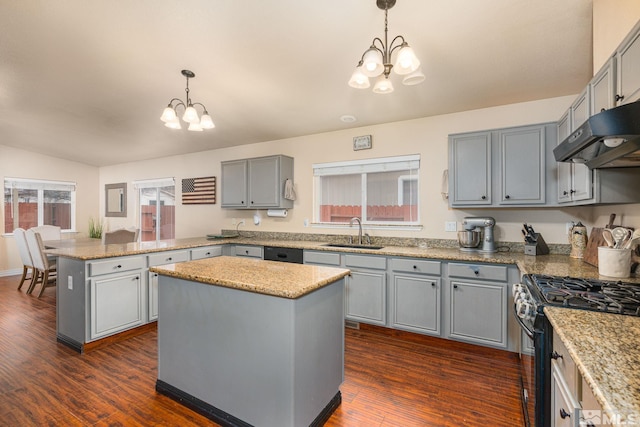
391 378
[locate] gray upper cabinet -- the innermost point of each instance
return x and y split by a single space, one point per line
603 88
522 165
501 167
234 184
470 169
256 183
628 64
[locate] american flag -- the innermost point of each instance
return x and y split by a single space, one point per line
199 191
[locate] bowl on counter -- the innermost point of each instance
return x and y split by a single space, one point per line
469 239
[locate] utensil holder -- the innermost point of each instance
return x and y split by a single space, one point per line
538 248
614 262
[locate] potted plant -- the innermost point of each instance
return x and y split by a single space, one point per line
95 228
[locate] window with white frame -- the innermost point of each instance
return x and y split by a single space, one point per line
32 203
381 191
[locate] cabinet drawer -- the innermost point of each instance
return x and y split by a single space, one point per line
250 251
565 364
327 258
486 272
409 265
168 257
208 252
115 265
363 261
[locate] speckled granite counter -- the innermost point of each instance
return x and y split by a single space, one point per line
606 349
280 279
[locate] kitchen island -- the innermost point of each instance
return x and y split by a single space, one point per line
252 342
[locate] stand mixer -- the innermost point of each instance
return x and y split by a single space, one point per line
483 225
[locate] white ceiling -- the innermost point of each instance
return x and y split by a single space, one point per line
87 80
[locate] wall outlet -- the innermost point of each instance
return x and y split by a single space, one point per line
450 226
234 221
70 282
306 222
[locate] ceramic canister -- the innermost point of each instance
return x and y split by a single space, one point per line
578 240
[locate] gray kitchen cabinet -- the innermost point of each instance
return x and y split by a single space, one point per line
116 304
234 184
256 183
581 108
366 289
522 166
627 64
478 301
248 251
603 88
575 180
470 169
161 258
321 258
415 295
502 167
206 252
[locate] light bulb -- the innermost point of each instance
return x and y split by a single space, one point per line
372 62
406 61
358 79
174 123
206 122
168 114
414 78
195 127
383 85
191 115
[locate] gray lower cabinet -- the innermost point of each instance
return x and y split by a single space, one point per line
366 289
161 258
478 301
414 295
248 251
117 303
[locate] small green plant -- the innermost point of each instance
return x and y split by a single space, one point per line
95 228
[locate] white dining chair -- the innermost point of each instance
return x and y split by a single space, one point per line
44 268
48 232
25 256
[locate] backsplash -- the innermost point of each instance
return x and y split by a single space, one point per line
516 247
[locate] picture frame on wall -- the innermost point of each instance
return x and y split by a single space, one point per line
362 142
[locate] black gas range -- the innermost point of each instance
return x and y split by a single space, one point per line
530 297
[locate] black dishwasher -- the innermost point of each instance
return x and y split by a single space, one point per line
273 253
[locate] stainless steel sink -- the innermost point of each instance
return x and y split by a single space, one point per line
353 246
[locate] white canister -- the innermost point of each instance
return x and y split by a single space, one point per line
614 262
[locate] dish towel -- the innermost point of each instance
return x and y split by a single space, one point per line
289 192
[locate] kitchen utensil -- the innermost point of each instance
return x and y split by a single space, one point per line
612 217
608 237
626 239
618 233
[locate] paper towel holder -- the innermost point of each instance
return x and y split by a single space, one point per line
277 213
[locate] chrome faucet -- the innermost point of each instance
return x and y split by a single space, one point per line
359 228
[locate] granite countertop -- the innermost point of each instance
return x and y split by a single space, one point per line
556 265
606 349
279 279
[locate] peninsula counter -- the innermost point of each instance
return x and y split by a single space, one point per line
252 342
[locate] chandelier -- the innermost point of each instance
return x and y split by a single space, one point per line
198 124
376 61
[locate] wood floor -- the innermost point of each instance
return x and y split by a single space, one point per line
391 378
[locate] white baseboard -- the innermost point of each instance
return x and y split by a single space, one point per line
14 272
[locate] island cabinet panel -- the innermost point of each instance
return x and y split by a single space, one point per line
115 265
116 303
206 252
263 360
168 257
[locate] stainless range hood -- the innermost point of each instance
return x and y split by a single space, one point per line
610 139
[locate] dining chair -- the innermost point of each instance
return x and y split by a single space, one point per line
27 262
119 236
48 232
44 268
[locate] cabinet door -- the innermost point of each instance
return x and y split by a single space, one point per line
478 312
603 88
564 168
522 157
264 182
365 297
563 404
628 63
116 304
470 168
580 109
416 304
234 184
581 182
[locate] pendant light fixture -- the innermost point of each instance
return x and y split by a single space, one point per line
190 115
376 61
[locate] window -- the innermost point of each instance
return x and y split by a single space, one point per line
31 203
380 191
156 204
